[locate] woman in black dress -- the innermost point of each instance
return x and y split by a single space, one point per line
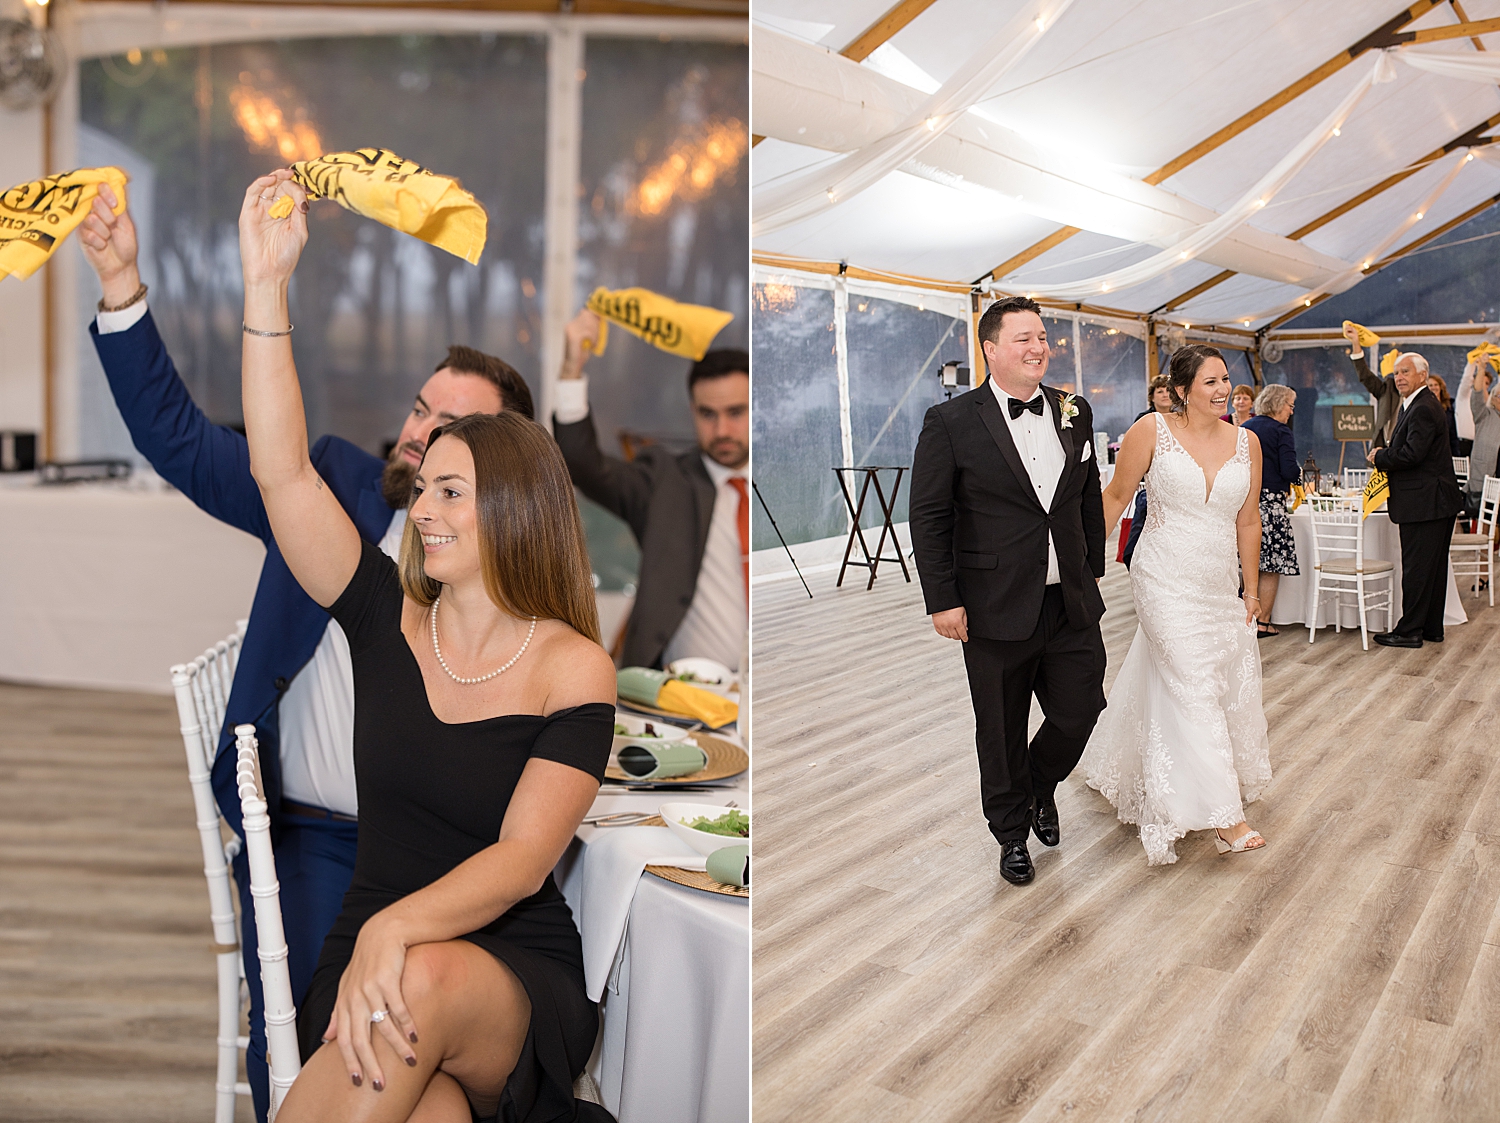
451 986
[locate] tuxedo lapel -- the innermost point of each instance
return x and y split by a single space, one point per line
1054 399
994 421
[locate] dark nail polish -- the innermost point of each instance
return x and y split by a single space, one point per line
303 207
412 1061
357 1079
378 1085
413 1036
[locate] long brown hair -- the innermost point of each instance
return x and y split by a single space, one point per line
1183 371
533 554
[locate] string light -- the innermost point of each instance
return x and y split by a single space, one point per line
1104 287
1420 214
1041 24
1336 131
1469 157
1260 202
832 198
931 124
1307 303
1183 255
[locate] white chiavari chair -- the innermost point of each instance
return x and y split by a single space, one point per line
1473 555
283 1057
202 691
1341 568
1356 477
1461 470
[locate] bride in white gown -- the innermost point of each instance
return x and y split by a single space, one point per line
1182 744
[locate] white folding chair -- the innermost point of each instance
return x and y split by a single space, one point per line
202 691
283 1057
1473 555
1461 470
1356 477
1341 568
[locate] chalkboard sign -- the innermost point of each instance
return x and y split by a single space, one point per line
1354 423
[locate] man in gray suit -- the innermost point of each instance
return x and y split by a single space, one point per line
689 511
1382 389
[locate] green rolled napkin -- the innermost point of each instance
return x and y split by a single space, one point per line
730 865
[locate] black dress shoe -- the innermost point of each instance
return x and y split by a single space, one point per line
1015 863
1044 821
1392 639
1431 639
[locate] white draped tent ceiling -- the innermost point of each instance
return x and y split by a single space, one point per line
1199 162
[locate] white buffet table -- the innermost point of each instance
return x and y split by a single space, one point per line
1294 596
107 585
675 1046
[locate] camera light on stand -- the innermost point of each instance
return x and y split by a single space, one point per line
954 375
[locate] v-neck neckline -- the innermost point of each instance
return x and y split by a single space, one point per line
1208 483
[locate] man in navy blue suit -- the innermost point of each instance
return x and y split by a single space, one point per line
294 681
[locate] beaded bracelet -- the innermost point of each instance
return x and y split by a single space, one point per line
264 334
136 298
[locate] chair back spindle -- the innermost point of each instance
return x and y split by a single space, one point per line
283 1057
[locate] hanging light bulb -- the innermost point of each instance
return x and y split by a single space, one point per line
832 198
1336 131
1420 214
1041 24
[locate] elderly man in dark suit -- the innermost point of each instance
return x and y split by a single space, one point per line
689 511
1424 498
1007 522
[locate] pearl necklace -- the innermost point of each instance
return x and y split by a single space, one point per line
483 678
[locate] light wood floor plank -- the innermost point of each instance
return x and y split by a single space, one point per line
1348 972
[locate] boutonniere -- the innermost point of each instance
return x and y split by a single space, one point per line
1068 408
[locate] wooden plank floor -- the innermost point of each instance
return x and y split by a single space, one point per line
1348 972
107 991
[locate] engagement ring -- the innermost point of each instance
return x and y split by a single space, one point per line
378 1016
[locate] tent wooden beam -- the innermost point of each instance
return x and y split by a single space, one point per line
710 9
1469 30
1410 248
1463 17
1472 138
879 32
1377 38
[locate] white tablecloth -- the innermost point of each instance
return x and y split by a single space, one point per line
108 585
1294 596
675 1046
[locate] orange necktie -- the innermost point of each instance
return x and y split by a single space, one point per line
742 524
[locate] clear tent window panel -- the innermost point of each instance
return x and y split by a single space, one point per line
795 415
662 204
896 354
374 310
1114 377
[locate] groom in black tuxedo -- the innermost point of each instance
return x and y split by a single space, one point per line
1008 527
1424 497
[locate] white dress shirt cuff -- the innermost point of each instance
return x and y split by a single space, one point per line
123 320
571 402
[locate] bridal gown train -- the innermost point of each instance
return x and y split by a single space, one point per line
1182 744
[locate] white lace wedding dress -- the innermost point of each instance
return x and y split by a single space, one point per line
1182 744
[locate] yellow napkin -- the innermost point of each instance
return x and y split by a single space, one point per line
403 195
1377 491
1367 338
679 329
1388 361
35 217
678 697
1298 495
1486 351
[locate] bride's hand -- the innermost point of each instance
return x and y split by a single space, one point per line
270 247
370 983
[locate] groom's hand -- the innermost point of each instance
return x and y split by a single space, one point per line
952 624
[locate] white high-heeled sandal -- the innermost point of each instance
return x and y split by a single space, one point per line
1240 845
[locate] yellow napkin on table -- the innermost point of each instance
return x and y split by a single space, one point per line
403 195
1377 491
682 698
35 217
678 329
1367 338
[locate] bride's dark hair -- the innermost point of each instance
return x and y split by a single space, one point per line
1186 362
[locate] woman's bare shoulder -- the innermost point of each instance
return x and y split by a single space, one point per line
577 670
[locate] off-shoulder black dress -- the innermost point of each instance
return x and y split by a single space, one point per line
433 794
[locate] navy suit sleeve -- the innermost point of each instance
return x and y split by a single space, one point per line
208 463
1288 451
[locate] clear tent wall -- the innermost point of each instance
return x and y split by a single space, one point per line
605 153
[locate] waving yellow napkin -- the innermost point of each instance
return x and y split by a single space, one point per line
1486 351
403 195
1388 361
1367 338
679 329
1377 491
35 217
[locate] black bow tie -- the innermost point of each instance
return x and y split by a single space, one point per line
1018 407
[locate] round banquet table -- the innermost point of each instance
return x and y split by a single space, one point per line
675 1040
1294 596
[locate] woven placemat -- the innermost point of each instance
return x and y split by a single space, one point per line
725 759
697 879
